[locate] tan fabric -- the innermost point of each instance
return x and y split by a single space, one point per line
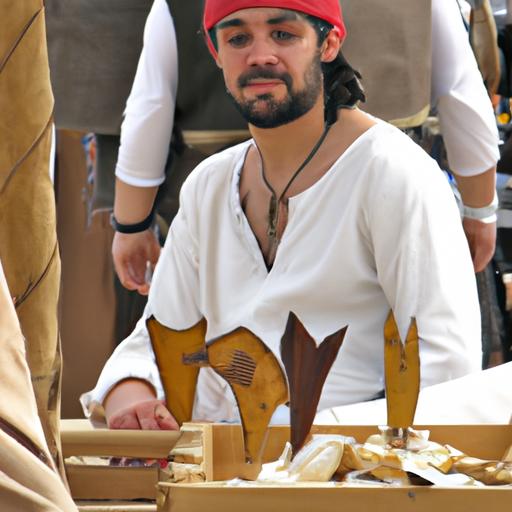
27 483
87 305
29 247
389 43
94 47
484 40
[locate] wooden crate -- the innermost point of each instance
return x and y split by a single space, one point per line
97 482
223 451
115 506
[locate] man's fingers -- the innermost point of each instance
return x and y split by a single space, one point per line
136 268
480 261
482 241
124 421
143 289
124 273
148 423
164 418
153 415
153 248
130 254
126 280
482 253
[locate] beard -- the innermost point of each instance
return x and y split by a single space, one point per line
276 113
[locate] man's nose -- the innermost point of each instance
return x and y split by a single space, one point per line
261 53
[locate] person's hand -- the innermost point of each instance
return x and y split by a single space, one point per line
130 253
132 404
146 415
482 241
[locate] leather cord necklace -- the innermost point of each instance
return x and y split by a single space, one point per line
276 202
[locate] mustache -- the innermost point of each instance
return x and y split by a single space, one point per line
259 72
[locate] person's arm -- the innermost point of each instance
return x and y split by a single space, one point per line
145 138
132 251
479 192
129 386
423 263
467 123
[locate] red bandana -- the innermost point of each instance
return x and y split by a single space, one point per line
328 10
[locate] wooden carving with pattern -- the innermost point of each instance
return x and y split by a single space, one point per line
257 381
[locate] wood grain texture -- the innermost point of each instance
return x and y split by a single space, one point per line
179 380
257 381
402 373
307 367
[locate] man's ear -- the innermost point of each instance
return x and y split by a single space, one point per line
330 47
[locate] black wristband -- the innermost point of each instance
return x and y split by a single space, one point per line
133 228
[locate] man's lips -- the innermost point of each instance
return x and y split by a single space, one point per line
261 77
259 85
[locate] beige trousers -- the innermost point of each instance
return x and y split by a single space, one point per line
28 478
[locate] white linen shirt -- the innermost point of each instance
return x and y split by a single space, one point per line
379 230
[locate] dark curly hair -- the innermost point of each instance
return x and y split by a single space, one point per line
342 86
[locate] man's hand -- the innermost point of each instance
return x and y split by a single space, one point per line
130 253
482 241
146 415
132 404
478 192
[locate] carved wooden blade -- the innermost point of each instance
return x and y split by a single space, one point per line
257 380
179 380
307 368
402 372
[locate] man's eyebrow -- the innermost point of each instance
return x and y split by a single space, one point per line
289 16
235 22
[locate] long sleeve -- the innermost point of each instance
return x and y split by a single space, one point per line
149 114
423 265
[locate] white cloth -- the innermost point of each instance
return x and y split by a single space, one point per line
379 230
149 114
458 93
482 397
465 112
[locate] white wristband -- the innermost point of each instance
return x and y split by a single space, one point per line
486 214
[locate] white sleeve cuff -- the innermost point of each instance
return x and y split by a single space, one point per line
130 179
133 358
138 369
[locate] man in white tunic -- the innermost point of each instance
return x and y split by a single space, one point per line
326 212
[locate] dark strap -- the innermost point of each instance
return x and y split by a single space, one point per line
133 228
